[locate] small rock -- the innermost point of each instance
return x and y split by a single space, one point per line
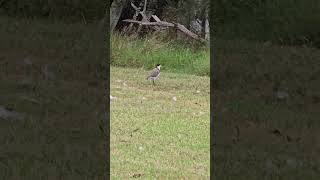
143 98
198 91
174 98
113 98
140 148
124 84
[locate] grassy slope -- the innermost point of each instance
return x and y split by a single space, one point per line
173 135
60 136
247 75
257 134
175 56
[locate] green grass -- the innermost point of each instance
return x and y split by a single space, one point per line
60 137
174 56
174 135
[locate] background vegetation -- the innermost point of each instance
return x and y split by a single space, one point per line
287 22
290 22
175 56
73 10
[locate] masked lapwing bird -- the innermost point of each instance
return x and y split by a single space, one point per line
154 74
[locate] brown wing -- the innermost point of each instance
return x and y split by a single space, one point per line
154 73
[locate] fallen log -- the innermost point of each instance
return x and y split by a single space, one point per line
178 26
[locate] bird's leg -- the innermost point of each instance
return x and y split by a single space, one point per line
153 82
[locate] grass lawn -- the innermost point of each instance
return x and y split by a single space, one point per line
154 136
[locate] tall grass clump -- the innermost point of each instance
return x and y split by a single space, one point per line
173 55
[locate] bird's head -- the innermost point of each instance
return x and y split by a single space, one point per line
158 66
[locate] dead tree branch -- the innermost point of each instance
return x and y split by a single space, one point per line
145 6
178 26
158 25
162 23
145 18
135 7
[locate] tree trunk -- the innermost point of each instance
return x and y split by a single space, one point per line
207 27
115 12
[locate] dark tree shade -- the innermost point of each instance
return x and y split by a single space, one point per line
74 10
